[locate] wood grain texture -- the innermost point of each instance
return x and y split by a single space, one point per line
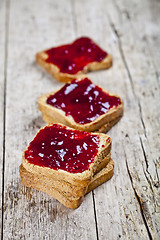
31 214
128 206
116 208
146 117
3 65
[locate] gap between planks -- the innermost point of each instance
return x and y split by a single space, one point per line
75 31
7 8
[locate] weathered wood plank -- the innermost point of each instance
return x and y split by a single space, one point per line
141 146
29 214
3 63
152 37
130 30
151 31
117 209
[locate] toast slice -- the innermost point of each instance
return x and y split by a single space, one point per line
67 62
100 121
84 152
33 181
71 189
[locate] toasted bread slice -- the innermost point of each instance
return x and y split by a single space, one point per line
102 176
107 126
56 72
79 178
71 189
102 123
31 180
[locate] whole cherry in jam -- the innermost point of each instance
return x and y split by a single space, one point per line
72 58
57 147
83 100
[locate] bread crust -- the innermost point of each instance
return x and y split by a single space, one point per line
79 179
102 176
33 181
103 123
65 77
106 127
72 189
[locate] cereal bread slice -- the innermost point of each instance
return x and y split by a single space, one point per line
71 189
33 181
52 113
91 148
64 63
102 176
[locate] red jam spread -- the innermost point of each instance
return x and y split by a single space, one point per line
72 58
83 100
59 148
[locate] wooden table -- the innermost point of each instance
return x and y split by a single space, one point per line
128 206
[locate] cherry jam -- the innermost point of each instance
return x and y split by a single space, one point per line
72 58
83 100
59 148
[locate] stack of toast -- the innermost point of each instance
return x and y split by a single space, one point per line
65 184
71 156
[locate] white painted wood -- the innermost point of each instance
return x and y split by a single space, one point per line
29 214
3 12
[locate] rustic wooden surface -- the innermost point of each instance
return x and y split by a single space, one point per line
128 206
